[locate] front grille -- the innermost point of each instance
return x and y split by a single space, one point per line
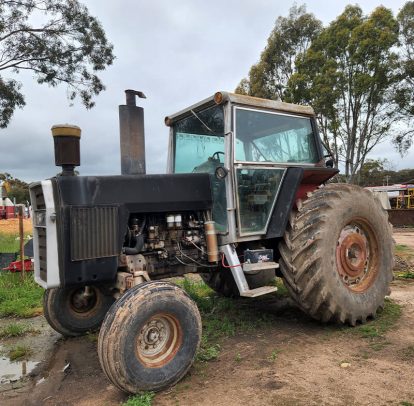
41 239
38 200
93 232
38 203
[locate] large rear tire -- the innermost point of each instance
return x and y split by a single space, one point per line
149 338
71 312
337 254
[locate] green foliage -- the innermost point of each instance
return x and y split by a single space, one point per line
222 317
405 275
208 352
142 399
273 356
346 75
15 330
18 352
290 37
19 298
385 320
65 45
404 87
18 189
9 243
357 73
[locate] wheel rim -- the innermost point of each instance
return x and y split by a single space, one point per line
83 301
159 340
356 255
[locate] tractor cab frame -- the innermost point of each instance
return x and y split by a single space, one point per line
262 155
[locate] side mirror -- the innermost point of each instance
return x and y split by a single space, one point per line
329 163
221 172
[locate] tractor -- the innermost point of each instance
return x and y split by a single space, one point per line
246 198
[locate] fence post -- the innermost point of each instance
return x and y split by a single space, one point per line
21 234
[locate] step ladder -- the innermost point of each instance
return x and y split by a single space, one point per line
238 272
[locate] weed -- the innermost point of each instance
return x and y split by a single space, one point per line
15 330
237 358
273 356
378 345
20 351
405 275
402 248
386 318
407 353
222 317
208 353
406 404
92 337
142 399
19 298
281 288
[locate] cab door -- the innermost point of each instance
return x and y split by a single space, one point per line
265 144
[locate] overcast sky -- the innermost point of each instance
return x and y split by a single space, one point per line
176 52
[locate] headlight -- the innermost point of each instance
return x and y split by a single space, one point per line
40 218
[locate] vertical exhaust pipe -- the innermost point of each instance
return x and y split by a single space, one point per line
132 135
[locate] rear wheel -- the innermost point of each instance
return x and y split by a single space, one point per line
337 254
149 338
74 311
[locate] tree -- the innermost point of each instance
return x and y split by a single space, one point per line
16 188
58 41
347 75
373 173
290 37
404 86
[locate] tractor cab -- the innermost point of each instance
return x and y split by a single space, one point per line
248 146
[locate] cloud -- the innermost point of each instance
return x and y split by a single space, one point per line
176 52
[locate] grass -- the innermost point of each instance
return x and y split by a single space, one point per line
15 330
405 252
407 353
273 356
385 320
18 352
143 399
221 317
9 242
19 298
405 275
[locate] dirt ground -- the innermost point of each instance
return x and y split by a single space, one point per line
297 361
11 226
404 237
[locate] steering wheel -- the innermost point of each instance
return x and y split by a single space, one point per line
216 156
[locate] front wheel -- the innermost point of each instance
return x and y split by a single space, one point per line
74 311
149 338
337 254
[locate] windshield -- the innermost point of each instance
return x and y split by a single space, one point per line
199 140
270 137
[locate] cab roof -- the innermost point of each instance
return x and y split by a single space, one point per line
242 100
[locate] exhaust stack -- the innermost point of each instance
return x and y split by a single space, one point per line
132 135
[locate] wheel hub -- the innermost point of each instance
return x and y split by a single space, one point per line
83 299
158 340
352 254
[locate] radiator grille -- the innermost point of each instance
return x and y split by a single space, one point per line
93 232
38 203
39 199
41 239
